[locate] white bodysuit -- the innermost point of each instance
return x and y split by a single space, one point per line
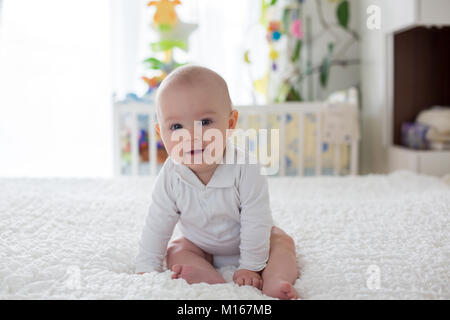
229 218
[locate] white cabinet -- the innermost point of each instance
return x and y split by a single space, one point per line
397 14
435 163
401 14
434 12
379 154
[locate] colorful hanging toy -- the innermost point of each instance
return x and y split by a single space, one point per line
172 33
165 15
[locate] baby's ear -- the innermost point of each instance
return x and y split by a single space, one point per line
158 130
233 119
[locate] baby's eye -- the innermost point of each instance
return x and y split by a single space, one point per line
176 126
206 122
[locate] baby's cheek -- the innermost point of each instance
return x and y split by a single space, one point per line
219 137
174 149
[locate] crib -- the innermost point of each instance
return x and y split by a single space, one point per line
318 138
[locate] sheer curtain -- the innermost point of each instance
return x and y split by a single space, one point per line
1 6
219 42
55 88
61 60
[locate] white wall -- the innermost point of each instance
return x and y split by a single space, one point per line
394 14
340 77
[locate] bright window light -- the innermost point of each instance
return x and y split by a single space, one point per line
55 88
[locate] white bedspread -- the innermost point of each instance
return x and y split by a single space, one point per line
374 237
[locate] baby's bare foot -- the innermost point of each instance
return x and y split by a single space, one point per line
280 289
194 274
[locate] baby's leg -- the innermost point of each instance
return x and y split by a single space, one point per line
191 263
281 270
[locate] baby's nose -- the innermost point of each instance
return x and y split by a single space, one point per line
194 141
197 131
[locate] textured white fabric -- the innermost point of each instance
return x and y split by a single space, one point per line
229 216
437 117
77 238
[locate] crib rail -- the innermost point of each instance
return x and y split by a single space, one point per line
317 109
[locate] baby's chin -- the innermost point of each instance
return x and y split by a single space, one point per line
200 167
197 165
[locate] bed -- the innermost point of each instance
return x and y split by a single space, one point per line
370 237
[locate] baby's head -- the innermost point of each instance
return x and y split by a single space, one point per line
193 107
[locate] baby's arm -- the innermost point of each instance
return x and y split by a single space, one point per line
159 224
256 219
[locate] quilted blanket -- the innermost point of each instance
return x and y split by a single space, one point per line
368 237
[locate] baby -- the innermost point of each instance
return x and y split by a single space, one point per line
222 210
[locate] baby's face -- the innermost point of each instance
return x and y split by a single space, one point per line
193 125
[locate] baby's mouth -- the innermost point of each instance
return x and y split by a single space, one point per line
194 152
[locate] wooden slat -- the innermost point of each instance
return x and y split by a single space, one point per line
337 159
117 146
134 144
282 144
246 140
263 144
301 144
318 143
354 157
152 144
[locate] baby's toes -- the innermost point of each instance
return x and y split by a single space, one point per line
176 271
289 291
292 295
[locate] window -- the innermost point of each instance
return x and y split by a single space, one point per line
55 88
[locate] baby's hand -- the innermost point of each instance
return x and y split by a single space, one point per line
244 277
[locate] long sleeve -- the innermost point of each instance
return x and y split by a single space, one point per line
159 224
256 219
